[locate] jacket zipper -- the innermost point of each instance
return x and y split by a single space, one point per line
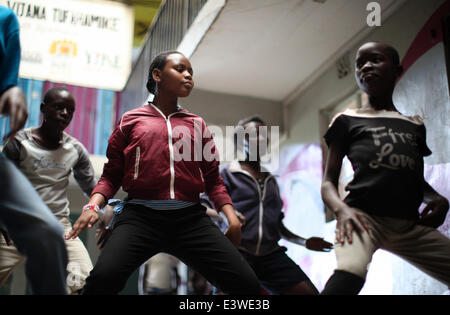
171 152
261 216
172 167
136 165
261 210
261 213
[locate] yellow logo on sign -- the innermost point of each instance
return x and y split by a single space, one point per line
63 47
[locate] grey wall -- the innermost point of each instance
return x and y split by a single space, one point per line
226 109
399 30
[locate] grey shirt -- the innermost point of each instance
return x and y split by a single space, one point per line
49 170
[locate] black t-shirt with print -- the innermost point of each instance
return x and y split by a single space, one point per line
386 154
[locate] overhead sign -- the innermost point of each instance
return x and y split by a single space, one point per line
78 42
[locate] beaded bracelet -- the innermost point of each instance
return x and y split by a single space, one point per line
91 206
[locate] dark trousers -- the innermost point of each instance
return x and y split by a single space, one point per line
277 272
188 234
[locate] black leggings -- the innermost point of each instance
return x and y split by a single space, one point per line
188 234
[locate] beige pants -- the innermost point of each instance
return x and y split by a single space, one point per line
157 274
423 247
78 267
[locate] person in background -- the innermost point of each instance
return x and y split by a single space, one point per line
255 195
159 276
47 155
387 150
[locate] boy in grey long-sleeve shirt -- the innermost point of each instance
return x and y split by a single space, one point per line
46 156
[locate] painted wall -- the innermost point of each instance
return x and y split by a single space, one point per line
424 90
298 175
93 119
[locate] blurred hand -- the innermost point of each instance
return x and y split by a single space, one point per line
435 212
234 232
7 238
318 244
13 104
241 217
214 214
103 231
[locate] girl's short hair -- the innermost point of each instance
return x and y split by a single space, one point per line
159 62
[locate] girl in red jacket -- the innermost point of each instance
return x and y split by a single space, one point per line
157 155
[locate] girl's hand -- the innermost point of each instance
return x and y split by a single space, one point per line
241 218
435 212
6 237
103 234
318 244
103 231
234 225
234 233
349 220
87 219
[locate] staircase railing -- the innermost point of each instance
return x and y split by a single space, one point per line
166 32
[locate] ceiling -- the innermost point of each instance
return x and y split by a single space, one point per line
268 48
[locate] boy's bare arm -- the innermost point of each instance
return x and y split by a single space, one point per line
312 243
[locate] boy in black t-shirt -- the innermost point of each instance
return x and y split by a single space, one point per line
386 150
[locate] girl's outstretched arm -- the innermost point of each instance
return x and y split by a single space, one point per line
109 183
88 217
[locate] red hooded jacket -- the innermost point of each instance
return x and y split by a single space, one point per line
154 157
